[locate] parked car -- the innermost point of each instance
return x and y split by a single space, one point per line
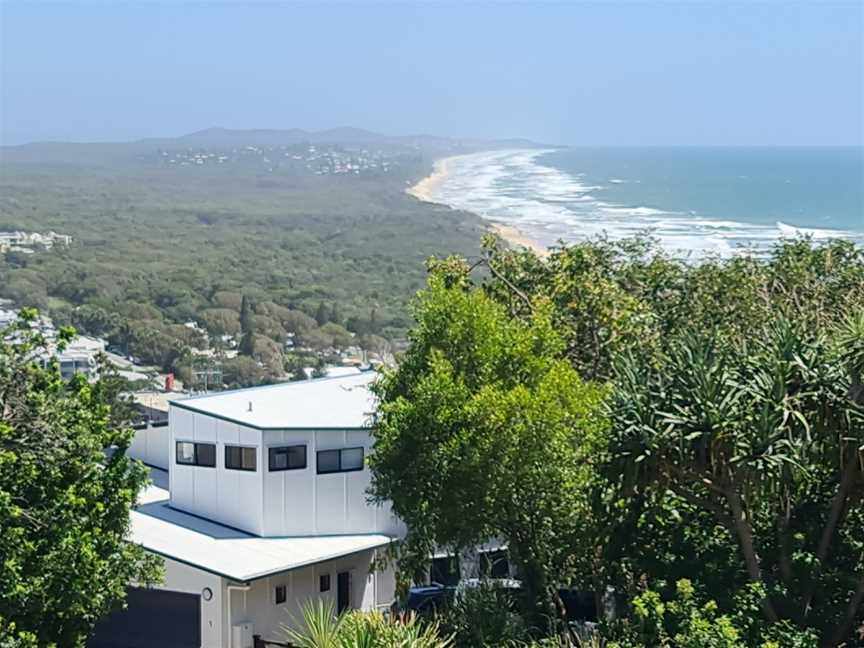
425 600
429 600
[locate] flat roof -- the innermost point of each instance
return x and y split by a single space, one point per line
341 402
228 552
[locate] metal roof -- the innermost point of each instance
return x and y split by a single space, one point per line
228 552
342 402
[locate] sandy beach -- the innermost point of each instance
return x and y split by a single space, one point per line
424 190
517 238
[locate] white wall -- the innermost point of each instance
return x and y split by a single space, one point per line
231 497
282 503
258 606
150 445
302 502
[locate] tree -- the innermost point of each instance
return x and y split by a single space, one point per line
340 337
220 321
335 315
243 371
321 315
483 432
766 435
64 503
247 328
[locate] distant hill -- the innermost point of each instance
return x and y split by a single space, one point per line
112 153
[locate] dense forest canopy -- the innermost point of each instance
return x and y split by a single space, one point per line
158 240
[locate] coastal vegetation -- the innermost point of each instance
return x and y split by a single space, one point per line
690 436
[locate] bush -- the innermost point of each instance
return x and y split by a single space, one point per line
687 622
356 629
485 615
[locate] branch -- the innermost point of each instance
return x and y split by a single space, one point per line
497 274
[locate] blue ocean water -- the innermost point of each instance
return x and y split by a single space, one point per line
694 200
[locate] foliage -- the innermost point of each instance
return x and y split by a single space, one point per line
485 615
322 628
736 416
483 432
687 621
735 450
64 504
764 436
247 328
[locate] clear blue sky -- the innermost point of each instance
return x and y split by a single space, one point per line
640 73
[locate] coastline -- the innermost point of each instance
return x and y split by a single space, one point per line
424 189
517 238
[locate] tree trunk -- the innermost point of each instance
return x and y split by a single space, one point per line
744 532
542 610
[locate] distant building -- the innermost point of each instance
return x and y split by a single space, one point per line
79 357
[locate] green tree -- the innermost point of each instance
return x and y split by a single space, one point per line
483 432
321 315
767 436
247 328
64 503
335 315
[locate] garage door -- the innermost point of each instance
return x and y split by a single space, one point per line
153 618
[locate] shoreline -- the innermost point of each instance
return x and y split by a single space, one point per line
515 237
422 191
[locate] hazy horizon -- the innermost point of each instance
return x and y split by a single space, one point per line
634 74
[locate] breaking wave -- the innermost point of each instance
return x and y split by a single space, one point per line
549 205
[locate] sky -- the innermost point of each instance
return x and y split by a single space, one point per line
639 73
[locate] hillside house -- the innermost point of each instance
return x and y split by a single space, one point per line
262 508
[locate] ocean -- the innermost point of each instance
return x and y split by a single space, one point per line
696 201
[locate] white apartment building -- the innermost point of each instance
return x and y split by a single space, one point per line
262 508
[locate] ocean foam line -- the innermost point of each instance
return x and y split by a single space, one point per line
512 186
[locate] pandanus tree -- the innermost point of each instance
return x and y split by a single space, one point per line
766 435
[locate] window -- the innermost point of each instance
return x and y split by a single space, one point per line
345 460
287 458
281 594
239 458
196 454
324 582
352 459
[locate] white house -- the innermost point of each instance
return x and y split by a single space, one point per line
263 507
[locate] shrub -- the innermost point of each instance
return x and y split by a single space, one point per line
322 628
485 616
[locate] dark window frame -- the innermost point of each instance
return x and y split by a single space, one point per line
196 454
324 582
340 469
272 449
241 448
280 594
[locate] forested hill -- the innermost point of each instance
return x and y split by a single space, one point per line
138 153
171 230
